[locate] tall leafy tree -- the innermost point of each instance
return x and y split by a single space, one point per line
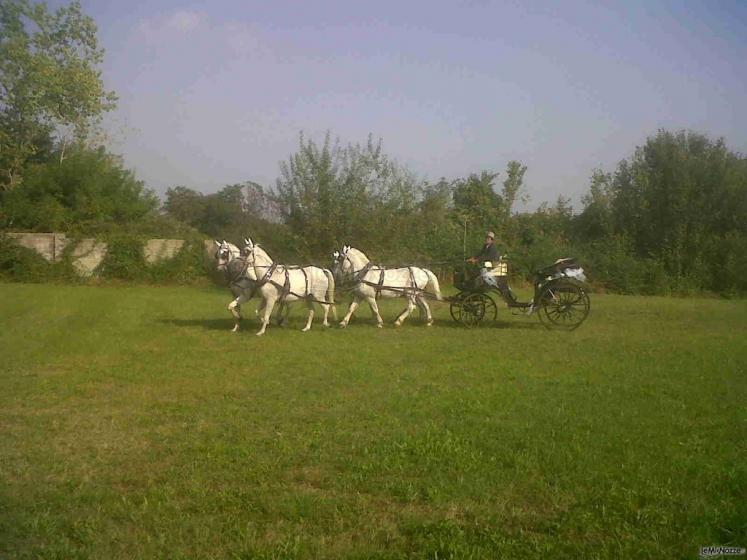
512 185
50 84
595 221
477 202
330 194
675 193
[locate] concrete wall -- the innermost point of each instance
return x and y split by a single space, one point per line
156 250
48 245
88 254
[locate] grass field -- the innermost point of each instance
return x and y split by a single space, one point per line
133 424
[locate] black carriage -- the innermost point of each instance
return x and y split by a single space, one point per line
560 296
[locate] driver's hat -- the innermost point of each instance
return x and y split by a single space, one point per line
490 234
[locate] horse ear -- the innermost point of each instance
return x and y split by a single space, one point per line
248 241
336 255
345 249
217 242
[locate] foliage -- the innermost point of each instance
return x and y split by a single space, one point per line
476 201
232 213
49 81
20 264
333 194
670 219
512 189
88 189
681 203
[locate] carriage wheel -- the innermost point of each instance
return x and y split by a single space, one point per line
563 305
477 307
455 305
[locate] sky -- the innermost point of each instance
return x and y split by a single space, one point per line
216 93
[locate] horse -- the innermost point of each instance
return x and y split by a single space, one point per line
233 264
288 283
368 281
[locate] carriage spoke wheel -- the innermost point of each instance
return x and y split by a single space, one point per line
563 306
476 308
455 305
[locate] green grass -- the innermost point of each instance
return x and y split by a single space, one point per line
133 424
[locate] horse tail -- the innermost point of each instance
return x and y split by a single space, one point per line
330 286
432 287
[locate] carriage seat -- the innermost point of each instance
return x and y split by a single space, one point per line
500 268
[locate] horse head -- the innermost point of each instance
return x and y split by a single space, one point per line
348 261
225 253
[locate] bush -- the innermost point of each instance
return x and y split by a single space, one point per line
88 188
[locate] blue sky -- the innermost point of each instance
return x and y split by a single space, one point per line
213 93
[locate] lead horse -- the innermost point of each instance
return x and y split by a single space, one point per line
288 283
369 282
233 265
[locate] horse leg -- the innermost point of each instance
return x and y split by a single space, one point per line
375 311
423 305
406 312
421 309
325 307
353 305
235 308
280 319
311 317
269 304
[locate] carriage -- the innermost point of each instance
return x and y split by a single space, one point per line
560 296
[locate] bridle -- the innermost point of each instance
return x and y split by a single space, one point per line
356 275
249 252
223 255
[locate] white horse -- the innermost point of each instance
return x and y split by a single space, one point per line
233 266
369 282
288 283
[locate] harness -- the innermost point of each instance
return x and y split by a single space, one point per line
358 278
284 288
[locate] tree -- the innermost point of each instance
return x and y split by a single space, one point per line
90 188
185 205
595 221
512 185
675 193
476 201
49 81
331 194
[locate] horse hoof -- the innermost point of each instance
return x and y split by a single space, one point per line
380 325
306 329
343 325
260 333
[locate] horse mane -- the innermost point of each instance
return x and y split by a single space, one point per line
358 253
260 252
